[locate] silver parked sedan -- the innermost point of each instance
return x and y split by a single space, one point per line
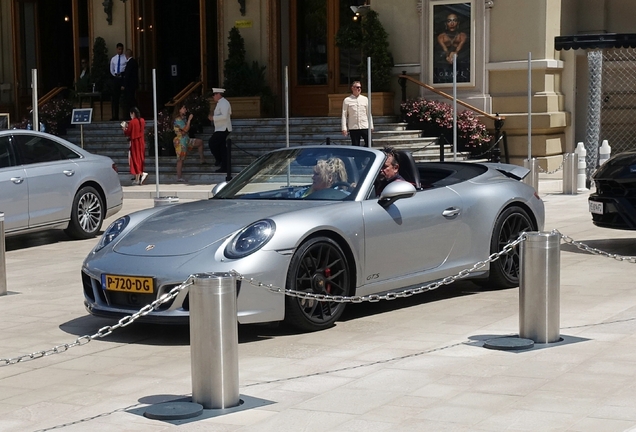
47 182
282 221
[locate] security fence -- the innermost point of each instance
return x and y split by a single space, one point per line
618 99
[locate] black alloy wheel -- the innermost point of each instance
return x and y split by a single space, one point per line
319 266
504 272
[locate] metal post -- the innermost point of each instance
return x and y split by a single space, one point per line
454 106
214 341
402 83
3 266
539 286
34 96
570 172
532 178
228 159
530 105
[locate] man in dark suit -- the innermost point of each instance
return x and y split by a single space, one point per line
131 81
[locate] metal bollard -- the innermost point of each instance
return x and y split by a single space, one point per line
3 265
539 286
532 178
214 341
581 177
570 171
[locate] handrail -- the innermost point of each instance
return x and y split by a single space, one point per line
447 96
183 94
498 119
48 97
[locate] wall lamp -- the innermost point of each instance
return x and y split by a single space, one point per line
360 10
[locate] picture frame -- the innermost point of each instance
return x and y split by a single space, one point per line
452 30
5 121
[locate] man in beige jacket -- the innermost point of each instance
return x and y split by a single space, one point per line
356 116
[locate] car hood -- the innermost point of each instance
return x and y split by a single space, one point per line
619 167
190 227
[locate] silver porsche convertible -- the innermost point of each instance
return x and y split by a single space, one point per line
278 223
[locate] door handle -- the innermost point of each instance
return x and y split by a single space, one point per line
450 212
68 173
17 180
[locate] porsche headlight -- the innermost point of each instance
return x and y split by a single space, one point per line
250 239
112 232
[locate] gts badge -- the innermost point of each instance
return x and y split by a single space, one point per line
373 276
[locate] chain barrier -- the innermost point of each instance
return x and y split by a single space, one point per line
594 251
560 167
104 331
245 151
372 298
489 149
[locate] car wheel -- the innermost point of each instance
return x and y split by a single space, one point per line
87 214
504 272
319 266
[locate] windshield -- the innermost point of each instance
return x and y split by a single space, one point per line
313 173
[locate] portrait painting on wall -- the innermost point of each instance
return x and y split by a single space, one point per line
451 33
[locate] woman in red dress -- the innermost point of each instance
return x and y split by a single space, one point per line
134 130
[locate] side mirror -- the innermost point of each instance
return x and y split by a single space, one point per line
216 189
394 191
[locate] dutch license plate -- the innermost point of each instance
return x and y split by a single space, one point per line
131 284
596 207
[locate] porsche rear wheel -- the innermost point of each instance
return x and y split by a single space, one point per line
504 272
87 214
319 266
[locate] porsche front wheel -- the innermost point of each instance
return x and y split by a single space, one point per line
319 266
504 272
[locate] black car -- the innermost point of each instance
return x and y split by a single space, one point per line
613 205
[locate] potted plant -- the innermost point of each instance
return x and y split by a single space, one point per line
435 118
369 37
100 66
244 84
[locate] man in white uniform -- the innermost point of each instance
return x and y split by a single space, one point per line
222 128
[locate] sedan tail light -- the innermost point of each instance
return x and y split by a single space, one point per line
115 167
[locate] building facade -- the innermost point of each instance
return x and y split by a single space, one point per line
186 40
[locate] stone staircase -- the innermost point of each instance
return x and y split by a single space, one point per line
251 138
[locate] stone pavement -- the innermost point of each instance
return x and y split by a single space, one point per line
415 364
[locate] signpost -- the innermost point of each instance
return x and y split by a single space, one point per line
82 116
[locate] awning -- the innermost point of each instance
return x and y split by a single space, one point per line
590 41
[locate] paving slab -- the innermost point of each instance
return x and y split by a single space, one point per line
415 364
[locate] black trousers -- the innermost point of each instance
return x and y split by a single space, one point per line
115 96
129 100
356 134
218 147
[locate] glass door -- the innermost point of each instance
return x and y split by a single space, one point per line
315 64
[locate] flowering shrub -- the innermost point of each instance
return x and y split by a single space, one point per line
54 115
164 129
425 114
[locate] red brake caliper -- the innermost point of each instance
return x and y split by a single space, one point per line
327 276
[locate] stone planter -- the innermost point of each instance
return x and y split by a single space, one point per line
381 103
243 107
